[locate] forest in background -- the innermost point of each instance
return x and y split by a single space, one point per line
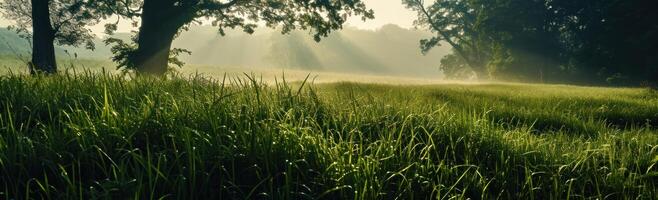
559 41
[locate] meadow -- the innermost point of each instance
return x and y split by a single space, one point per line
104 136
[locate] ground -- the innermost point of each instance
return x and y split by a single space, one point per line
104 136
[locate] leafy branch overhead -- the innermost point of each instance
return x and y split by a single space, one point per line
161 20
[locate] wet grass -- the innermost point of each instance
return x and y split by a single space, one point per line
94 136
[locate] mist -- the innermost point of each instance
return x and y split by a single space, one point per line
386 51
389 50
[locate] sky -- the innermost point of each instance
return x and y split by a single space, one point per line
386 12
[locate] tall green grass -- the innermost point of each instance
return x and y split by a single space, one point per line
99 136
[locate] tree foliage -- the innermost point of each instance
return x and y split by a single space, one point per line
167 17
46 22
70 20
594 42
617 41
455 23
454 67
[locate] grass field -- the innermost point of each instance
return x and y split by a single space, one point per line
11 64
96 136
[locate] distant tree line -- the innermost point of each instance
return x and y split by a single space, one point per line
587 42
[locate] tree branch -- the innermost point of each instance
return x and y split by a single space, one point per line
460 50
214 5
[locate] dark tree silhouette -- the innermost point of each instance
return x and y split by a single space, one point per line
51 21
590 42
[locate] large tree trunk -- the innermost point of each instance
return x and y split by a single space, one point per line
153 49
160 24
43 49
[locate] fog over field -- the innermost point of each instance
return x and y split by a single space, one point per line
389 50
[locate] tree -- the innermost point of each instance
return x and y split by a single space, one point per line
590 42
503 39
455 22
613 42
524 40
162 20
52 21
454 67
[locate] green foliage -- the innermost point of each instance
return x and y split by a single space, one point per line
594 42
174 56
457 23
123 53
50 22
70 20
500 64
612 39
93 136
161 21
454 67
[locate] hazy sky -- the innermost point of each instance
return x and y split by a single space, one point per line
386 12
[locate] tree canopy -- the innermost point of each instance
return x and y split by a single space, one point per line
70 20
161 20
65 22
593 42
456 24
